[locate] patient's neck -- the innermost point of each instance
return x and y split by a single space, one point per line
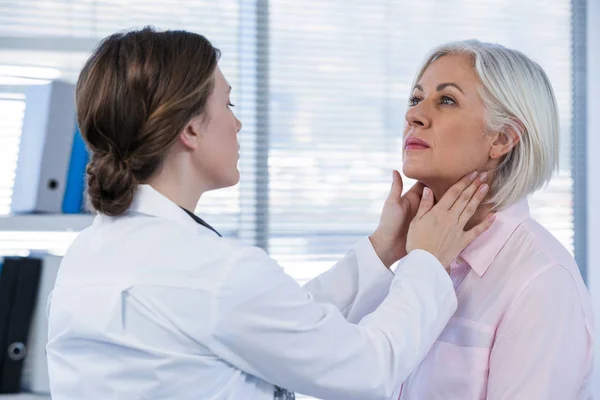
439 189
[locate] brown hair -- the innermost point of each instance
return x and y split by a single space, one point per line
134 95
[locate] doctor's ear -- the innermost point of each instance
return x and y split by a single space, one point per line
507 140
192 132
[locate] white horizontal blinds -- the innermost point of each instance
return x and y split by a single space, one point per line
333 135
331 115
340 74
42 40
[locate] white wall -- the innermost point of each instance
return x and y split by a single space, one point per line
593 171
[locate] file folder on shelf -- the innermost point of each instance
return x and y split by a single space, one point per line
22 282
73 198
52 156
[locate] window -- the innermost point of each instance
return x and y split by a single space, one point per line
339 84
321 87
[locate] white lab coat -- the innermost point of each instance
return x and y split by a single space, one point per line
152 305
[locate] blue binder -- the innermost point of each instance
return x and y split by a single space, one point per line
75 185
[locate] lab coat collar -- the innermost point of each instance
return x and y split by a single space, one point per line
149 201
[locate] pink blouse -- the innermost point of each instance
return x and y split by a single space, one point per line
523 328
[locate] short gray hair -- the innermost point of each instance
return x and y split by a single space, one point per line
517 95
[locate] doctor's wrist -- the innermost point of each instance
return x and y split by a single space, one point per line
385 252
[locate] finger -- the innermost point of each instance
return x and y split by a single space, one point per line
426 202
479 229
417 189
397 185
413 196
467 211
464 200
456 190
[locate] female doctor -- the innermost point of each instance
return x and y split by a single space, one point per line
151 303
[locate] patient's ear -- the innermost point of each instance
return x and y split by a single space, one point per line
507 139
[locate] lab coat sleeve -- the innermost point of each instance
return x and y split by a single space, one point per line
265 324
356 285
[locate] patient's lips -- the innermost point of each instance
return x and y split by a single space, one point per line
413 143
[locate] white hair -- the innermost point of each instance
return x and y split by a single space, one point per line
518 96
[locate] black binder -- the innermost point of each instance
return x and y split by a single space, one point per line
8 287
19 282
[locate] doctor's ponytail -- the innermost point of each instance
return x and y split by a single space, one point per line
134 96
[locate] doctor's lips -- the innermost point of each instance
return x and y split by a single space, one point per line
412 143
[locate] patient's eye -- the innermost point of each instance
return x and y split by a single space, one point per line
413 101
447 100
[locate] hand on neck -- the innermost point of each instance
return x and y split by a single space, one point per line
440 187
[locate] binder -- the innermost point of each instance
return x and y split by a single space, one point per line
16 331
8 285
35 368
75 187
45 149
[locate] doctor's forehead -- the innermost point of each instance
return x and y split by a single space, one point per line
221 82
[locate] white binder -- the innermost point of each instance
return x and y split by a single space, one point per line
46 144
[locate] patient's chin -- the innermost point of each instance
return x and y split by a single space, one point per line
415 172
429 178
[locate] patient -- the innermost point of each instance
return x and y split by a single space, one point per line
523 327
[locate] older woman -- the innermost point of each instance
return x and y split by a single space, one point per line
523 327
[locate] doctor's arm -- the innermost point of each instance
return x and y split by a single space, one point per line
359 282
542 347
356 285
268 326
263 323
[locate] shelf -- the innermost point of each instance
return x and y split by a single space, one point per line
46 222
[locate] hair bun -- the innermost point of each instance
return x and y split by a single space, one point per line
111 184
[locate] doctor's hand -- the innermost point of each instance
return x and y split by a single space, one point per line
389 239
439 229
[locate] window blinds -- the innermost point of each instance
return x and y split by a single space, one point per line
321 88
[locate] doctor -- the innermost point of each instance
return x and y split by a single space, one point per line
150 301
